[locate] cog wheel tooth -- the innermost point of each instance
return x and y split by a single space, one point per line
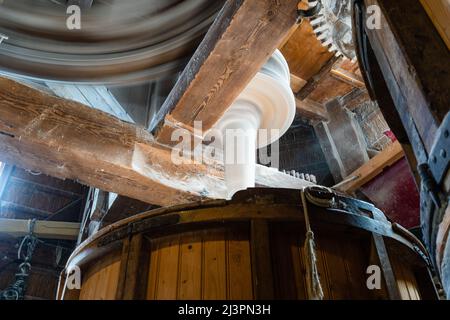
325 23
318 20
322 37
327 43
333 48
321 28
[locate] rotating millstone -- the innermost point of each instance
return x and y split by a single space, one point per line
119 41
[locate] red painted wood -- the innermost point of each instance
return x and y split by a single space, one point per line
395 193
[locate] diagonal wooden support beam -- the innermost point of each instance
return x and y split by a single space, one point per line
373 167
243 37
410 53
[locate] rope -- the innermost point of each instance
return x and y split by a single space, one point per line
314 286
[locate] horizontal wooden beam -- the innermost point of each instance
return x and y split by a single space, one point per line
15 207
68 140
311 110
297 83
373 168
241 40
42 229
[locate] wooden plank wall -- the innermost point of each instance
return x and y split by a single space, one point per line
102 280
341 264
201 266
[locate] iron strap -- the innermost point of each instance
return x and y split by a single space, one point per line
440 153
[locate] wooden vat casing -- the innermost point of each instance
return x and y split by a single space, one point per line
249 248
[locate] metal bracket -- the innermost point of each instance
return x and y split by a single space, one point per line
439 159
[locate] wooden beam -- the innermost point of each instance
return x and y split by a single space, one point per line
330 151
374 167
15 207
68 140
348 78
42 229
297 83
439 12
241 40
410 53
311 110
341 137
314 82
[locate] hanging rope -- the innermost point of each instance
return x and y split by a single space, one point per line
16 291
314 287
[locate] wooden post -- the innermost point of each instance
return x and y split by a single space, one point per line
342 142
263 286
134 266
408 49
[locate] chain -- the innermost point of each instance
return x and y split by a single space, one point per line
16 291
